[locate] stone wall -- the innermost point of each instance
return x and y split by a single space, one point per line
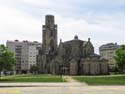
73 67
94 67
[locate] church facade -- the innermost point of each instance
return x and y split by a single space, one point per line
74 57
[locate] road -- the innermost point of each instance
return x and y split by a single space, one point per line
63 88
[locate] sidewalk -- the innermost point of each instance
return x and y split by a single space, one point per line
70 87
34 84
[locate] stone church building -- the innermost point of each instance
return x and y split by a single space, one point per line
73 57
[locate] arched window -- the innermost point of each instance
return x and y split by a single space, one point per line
51 45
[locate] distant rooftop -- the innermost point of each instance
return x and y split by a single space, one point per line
24 41
109 46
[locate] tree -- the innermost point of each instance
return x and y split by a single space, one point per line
7 60
120 58
34 69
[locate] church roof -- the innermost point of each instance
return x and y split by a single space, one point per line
74 42
85 42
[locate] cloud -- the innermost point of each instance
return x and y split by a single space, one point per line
101 20
17 25
77 6
103 29
37 3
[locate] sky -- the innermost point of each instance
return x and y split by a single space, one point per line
101 20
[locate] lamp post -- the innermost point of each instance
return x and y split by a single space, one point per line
61 71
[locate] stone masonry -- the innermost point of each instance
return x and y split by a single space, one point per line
74 57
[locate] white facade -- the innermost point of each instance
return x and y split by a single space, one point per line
33 52
25 53
107 51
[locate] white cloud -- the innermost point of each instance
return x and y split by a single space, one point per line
105 29
91 2
37 2
17 25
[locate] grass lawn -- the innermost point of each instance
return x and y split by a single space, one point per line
102 80
31 78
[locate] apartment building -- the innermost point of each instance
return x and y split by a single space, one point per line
25 53
107 51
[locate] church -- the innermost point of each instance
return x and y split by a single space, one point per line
73 57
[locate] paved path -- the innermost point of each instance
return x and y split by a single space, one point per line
69 79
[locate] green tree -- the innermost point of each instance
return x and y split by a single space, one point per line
120 58
34 69
7 60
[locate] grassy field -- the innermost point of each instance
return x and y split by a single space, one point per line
102 80
31 78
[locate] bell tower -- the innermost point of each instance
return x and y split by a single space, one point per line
49 35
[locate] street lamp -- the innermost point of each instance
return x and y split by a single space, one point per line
61 70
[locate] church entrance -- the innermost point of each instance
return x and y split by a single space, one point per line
64 70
